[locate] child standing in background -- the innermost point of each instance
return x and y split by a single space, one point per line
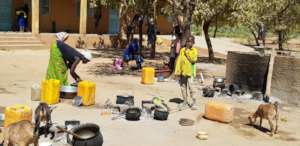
21 22
184 70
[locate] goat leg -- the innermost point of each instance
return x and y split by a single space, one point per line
271 126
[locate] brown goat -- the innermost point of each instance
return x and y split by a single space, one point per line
269 112
19 134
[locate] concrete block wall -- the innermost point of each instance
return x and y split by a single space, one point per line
286 79
249 70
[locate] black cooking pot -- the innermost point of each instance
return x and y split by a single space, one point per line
161 115
208 92
133 114
90 135
235 89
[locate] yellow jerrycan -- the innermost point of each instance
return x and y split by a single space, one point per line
218 111
50 91
87 90
17 113
148 74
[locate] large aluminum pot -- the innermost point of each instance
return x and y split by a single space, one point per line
68 92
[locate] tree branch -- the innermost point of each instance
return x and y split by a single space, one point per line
286 7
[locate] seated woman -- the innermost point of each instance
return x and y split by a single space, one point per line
64 57
133 52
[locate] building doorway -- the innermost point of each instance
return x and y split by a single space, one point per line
5 15
114 22
10 11
21 8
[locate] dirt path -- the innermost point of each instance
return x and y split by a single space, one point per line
220 45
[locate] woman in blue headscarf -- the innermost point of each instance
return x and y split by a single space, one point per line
133 52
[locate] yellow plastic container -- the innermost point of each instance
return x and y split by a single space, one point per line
87 90
218 111
148 74
50 91
17 113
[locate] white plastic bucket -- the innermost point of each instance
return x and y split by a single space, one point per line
35 92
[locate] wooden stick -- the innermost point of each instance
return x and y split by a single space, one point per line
69 132
270 73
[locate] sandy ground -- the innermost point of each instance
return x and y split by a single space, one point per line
20 69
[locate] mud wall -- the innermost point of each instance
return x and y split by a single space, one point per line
286 79
248 70
89 39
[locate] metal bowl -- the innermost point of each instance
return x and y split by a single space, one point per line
68 92
68 89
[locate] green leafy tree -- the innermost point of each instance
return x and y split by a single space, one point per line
182 13
226 11
280 16
285 18
254 15
124 6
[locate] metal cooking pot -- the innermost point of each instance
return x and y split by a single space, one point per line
68 92
219 82
133 114
208 92
219 79
68 89
160 114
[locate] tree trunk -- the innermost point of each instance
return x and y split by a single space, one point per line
215 32
208 41
186 34
216 27
154 10
141 34
97 15
151 33
153 50
280 40
154 16
123 28
122 38
255 36
185 26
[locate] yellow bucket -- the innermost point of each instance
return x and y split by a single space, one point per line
16 113
148 74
